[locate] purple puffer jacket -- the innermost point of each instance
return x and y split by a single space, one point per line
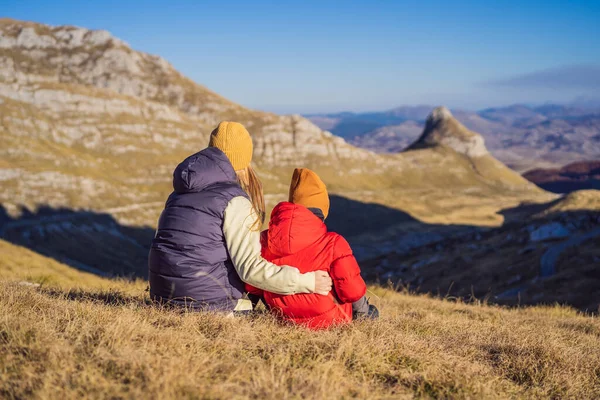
189 262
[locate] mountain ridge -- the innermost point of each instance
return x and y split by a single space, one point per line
522 136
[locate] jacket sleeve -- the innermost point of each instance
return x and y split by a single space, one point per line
264 245
243 244
254 290
348 284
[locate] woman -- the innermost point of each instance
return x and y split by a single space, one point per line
208 239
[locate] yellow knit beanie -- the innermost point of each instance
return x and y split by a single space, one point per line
235 141
308 189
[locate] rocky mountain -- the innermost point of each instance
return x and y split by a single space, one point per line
84 113
541 253
575 176
523 137
442 129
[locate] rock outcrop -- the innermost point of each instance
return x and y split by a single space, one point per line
70 69
442 129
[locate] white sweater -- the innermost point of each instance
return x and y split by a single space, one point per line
243 244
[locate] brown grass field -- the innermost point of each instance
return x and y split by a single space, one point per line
79 336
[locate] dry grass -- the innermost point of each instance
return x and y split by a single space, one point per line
110 343
586 200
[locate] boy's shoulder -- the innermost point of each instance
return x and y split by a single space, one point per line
341 247
335 236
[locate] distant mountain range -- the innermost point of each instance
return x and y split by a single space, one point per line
579 175
523 137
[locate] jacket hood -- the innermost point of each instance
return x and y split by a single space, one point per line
202 170
293 228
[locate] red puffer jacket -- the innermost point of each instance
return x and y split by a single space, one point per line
299 238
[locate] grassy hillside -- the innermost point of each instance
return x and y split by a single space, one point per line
102 339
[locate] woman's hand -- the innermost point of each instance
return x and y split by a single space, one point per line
323 283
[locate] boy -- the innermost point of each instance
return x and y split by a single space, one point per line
298 236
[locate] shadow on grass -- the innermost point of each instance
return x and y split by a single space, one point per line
109 297
97 243
350 217
85 240
506 265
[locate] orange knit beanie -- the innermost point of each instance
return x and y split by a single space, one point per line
308 189
235 141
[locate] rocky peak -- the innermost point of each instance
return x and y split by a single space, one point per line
17 34
438 115
75 70
442 129
32 53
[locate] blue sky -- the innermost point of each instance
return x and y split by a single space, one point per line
321 56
